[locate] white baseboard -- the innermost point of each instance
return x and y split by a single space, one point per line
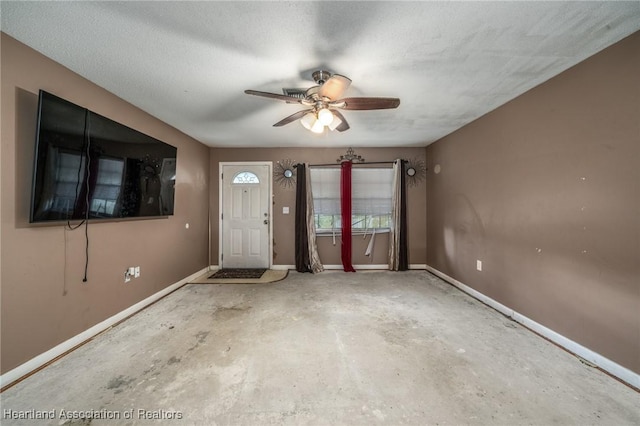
48 356
283 267
418 266
368 266
577 349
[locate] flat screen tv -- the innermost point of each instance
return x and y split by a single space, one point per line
87 166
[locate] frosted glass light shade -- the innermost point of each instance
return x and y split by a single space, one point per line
308 120
325 116
317 127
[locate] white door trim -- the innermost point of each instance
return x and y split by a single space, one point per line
221 165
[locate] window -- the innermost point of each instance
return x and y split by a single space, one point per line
245 177
371 195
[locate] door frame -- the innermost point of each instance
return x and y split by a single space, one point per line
221 165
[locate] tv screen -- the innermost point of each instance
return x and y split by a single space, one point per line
90 167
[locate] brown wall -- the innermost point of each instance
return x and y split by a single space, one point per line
544 190
283 225
44 301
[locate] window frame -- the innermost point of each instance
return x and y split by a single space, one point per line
361 223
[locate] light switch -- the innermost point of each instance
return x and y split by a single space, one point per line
285 210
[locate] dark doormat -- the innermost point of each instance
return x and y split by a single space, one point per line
238 273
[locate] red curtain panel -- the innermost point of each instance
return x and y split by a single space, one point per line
345 204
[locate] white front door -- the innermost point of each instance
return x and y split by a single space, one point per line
245 228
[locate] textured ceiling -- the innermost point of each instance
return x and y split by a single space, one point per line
188 63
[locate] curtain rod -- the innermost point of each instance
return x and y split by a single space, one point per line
354 164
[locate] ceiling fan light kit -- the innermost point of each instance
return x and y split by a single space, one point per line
317 121
324 100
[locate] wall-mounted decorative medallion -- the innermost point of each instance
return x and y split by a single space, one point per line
415 170
284 173
350 156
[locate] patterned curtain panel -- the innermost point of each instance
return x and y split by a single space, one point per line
314 258
398 251
307 259
345 204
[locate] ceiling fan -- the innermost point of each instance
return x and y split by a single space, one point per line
324 102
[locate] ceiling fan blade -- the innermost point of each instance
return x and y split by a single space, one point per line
292 117
289 99
334 87
342 126
368 103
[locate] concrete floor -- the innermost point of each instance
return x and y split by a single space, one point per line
333 348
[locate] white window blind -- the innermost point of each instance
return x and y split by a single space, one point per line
325 185
371 191
371 195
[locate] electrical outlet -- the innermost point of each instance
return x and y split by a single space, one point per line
136 274
127 276
479 265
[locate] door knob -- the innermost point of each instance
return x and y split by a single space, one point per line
266 222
